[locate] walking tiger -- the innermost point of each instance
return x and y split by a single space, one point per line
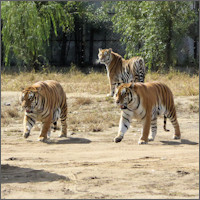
145 101
44 101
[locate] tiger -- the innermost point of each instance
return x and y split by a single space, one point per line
120 70
44 101
145 101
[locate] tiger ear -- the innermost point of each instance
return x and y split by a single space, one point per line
35 89
110 50
38 89
100 49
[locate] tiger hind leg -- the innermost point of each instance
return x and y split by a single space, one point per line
173 118
63 118
153 129
141 70
56 116
49 133
177 134
54 126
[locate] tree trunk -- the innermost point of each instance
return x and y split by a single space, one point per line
168 46
196 38
63 50
77 38
91 45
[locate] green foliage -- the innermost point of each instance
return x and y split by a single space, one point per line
27 25
97 16
152 29
87 11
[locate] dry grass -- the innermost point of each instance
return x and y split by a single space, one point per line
12 112
9 116
91 115
83 101
72 82
5 121
36 127
88 114
194 108
181 84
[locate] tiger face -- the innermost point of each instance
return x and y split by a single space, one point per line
29 98
105 56
124 95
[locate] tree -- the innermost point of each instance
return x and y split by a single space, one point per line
152 29
84 14
27 26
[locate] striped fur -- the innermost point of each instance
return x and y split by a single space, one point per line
120 70
44 101
145 101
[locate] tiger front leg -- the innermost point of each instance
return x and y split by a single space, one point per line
124 125
28 125
112 89
45 129
145 131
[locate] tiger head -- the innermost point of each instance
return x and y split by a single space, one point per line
29 99
105 56
125 95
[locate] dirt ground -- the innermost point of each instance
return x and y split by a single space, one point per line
89 165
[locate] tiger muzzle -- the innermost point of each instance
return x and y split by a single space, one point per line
29 111
123 107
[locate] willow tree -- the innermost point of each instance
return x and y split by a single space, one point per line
27 26
152 29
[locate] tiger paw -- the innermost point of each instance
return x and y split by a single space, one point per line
26 135
62 135
142 142
176 137
151 139
42 139
118 139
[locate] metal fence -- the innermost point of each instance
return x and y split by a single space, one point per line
81 47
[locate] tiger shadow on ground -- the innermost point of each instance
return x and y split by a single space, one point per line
179 142
70 140
14 174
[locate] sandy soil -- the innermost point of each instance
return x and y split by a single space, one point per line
90 165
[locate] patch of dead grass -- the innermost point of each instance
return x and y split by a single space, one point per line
194 108
12 112
94 117
83 101
5 122
181 84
